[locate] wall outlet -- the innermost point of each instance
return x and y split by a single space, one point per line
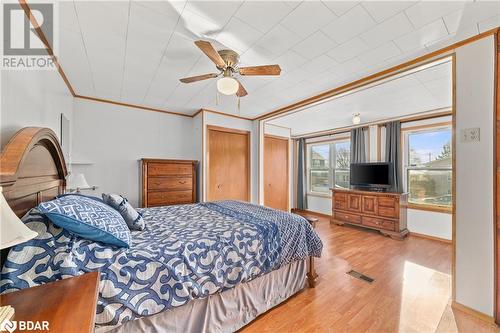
470 135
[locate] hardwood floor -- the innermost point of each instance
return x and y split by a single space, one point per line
411 291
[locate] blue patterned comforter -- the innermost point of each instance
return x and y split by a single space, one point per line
185 252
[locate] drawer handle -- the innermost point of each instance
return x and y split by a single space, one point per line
182 182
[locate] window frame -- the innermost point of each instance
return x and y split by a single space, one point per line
428 128
331 167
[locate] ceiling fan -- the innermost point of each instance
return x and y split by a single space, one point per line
226 62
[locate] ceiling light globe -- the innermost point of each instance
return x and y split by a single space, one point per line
227 86
356 119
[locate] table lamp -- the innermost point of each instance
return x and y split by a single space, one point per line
76 182
12 232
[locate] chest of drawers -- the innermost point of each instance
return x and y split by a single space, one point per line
168 182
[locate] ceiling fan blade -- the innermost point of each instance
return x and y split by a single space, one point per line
198 78
261 70
241 90
209 50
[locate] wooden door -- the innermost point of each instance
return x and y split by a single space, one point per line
228 164
276 176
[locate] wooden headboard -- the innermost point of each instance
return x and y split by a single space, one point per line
32 169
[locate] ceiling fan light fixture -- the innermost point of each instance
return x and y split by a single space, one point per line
356 119
227 85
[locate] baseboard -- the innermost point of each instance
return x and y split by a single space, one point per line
311 212
439 239
479 315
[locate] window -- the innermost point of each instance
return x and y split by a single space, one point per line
328 165
428 166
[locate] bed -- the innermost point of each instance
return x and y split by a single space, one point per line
211 266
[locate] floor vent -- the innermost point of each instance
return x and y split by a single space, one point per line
360 276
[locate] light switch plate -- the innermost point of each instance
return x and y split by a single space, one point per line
470 135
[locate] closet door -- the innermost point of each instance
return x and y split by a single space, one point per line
228 164
276 176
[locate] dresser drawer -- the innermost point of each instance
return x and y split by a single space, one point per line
351 218
164 169
378 223
386 201
390 212
170 183
169 198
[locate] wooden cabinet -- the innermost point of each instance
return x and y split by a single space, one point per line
168 182
66 305
383 211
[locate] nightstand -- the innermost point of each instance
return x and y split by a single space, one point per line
68 305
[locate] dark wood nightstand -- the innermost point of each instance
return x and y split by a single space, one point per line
69 305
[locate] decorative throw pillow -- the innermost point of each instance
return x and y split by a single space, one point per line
81 195
132 217
88 218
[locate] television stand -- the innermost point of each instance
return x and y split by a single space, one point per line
382 211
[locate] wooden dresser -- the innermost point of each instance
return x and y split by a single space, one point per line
168 182
383 211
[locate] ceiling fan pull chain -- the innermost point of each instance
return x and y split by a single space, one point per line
238 103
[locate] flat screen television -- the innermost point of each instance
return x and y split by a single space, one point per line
376 176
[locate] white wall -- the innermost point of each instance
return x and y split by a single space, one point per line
112 139
32 98
430 223
214 119
475 66
277 130
319 204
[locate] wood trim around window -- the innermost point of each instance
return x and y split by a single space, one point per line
308 169
427 207
430 208
427 126
319 195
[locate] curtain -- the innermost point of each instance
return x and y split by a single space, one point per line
301 175
358 150
393 153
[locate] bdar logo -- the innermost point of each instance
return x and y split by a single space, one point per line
9 326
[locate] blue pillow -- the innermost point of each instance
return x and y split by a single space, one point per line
132 217
88 218
80 195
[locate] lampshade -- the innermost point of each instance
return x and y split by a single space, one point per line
13 230
356 119
227 85
76 180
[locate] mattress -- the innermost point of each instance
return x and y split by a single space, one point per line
186 252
